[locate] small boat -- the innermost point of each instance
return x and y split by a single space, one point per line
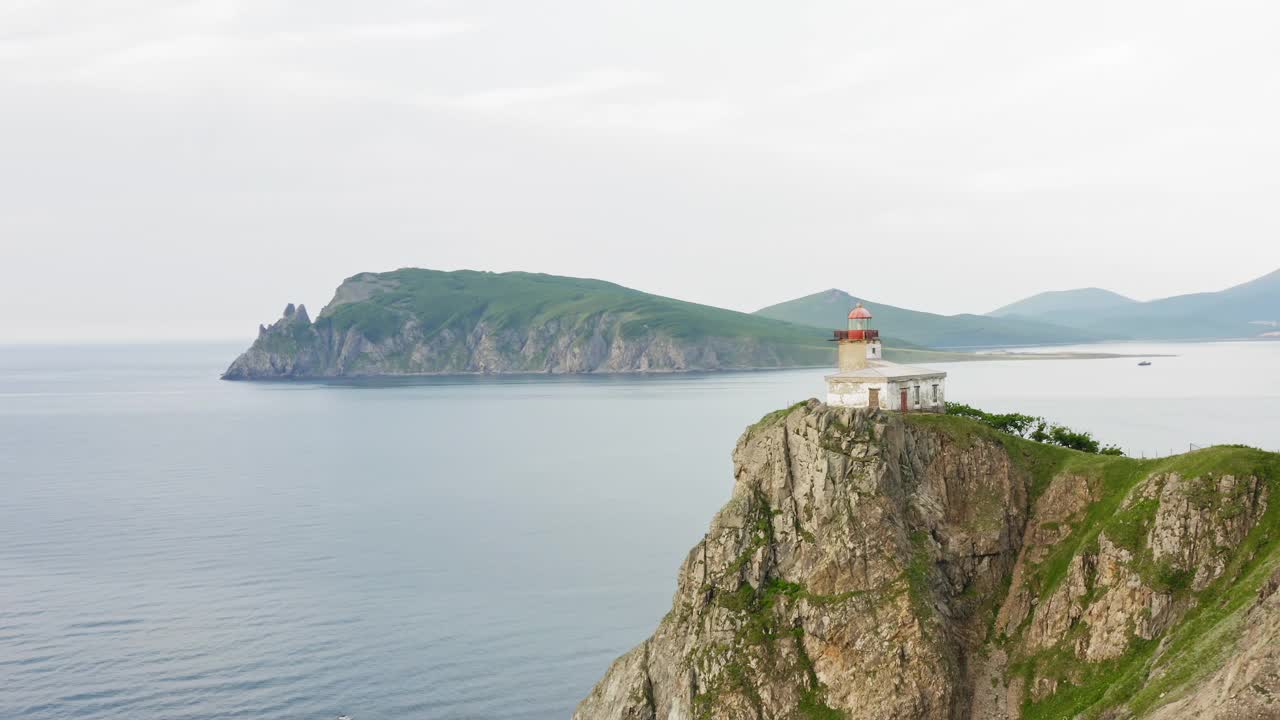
1144 363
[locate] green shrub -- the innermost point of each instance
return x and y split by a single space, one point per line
1035 428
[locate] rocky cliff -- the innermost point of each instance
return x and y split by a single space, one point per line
427 322
871 565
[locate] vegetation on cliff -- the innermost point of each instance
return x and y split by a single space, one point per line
877 565
438 301
1218 486
1034 427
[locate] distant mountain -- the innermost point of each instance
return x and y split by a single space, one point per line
1247 310
830 309
1059 301
414 321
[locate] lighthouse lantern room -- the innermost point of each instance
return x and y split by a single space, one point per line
859 344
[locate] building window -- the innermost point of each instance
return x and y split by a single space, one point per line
916 394
935 394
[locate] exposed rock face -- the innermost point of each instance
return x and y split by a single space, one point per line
1245 686
286 348
869 566
376 325
295 348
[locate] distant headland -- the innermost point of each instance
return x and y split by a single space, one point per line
425 322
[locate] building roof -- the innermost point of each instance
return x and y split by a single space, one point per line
881 371
860 313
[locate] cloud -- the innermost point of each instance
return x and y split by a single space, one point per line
590 83
174 48
252 51
843 74
669 116
607 99
1109 56
235 50
248 133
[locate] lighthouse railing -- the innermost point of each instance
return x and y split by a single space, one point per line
856 334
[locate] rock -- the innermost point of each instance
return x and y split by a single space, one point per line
1247 685
289 347
823 583
874 566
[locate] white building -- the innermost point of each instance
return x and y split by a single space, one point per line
865 379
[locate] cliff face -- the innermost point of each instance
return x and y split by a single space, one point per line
871 566
294 348
427 322
289 347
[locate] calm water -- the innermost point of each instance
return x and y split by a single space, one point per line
172 546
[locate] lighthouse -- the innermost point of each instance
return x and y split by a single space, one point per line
864 379
859 344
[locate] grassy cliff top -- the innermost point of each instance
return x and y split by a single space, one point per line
1045 460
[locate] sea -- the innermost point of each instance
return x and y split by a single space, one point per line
173 546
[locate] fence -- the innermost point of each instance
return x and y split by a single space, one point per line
1191 447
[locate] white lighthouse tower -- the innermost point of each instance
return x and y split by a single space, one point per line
865 380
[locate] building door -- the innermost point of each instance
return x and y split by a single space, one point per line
873 398
904 407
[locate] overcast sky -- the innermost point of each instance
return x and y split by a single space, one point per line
183 169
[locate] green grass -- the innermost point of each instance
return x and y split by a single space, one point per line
457 301
1113 478
1150 672
771 418
917 575
374 321
295 338
1197 643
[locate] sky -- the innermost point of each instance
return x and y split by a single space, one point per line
182 170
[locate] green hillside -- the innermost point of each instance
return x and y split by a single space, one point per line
830 309
420 322
441 300
1237 312
1057 302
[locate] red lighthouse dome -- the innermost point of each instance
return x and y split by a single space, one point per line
860 325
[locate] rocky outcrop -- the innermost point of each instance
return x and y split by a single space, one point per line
875 566
289 347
